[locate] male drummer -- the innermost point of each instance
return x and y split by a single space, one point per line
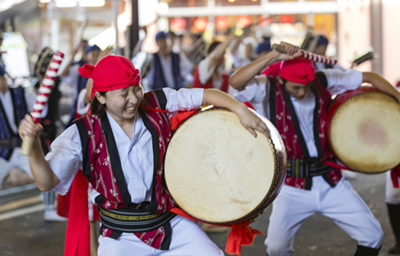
295 99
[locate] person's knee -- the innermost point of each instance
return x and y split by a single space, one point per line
373 238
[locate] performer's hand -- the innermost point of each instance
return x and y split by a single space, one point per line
251 122
292 52
28 128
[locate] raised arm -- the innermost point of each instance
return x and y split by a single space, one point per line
44 177
380 83
243 75
249 120
220 50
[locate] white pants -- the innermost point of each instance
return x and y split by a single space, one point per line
17 160
187 240
392 194
342 204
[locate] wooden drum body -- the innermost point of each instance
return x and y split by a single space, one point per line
364 130
217 172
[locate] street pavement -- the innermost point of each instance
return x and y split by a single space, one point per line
28 234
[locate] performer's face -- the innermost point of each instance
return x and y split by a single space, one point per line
296 90
122 104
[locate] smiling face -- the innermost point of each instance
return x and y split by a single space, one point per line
122 104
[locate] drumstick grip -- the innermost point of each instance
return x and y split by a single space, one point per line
42 98
307 55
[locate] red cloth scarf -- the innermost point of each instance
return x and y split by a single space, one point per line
298 70
112 72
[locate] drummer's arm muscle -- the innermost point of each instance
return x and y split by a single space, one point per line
243 75
44 177
380 83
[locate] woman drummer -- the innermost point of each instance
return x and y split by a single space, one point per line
295 99
121 147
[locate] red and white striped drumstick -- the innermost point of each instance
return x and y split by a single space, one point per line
43 96
307 55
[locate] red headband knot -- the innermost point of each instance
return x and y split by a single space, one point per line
112 72
298 70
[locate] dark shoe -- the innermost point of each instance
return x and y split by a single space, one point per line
395 249
366 251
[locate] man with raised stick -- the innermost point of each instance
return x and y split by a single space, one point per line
295 99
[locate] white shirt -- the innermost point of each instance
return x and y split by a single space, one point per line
168 72
320 66
205 73
136 154
6 101
338 82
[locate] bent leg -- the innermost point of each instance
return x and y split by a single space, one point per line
352 215
289 210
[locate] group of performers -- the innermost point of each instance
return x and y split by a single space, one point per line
120 147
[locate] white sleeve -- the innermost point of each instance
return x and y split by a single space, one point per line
205 71
254 92
340 81
65 158
81 107
30 99
183 99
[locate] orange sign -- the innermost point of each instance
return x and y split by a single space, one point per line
200 24
287 18
243 20
178 24
221 22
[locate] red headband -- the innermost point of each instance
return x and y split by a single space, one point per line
112 72
298 70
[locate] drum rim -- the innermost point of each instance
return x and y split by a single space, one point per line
333 118
274 182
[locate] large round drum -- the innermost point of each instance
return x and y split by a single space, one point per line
364 130
217 172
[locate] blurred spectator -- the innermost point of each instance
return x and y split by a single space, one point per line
320 49
72 76
208 73
15 103
167 69
263 48
240 59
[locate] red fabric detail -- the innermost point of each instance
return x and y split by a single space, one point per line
298 70
77 241
154 109
209 84
336 165
63 204
249 105
177 119
286 129
395 175
112 72
240 234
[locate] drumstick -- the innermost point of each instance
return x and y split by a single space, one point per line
307 55
43 97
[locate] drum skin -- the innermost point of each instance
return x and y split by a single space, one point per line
342 103
214 213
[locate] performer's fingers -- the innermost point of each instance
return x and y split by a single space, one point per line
252 131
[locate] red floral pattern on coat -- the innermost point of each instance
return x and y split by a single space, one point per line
286 129
104 181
